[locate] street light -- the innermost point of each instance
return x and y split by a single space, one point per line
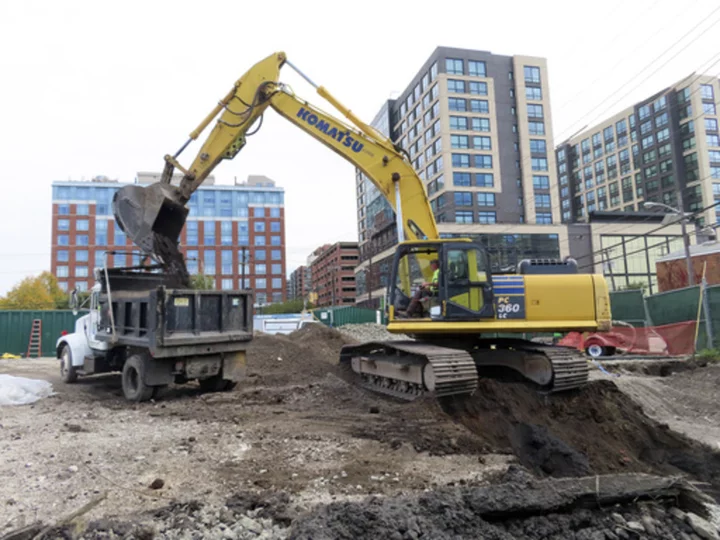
686 238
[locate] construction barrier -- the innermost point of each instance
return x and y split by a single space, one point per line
629 306
15 328
674 339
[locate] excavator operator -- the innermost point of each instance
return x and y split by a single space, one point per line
426 290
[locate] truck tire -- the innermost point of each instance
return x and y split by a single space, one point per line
67 370
133 380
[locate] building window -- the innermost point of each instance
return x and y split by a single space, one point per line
663 135
274 212
275 226
463 216
539 164
259 227
713 140
536 128
261 283
81 271
463 198
63 224
483 161
709 108
277 268
538 146
209 262
644 112
276 255
260 269
486 217
275 240
484 180
81 255
532 74
479 106
486 199
706 91
455 86
476 68
63 209
458 123
543 218
541 182
711 124
454 66
82 225
482 143
661 120
82 210
459 142
226 260
648 141
461 160
192 261
191 233
542 200
82 240
535 111
457 104
461 179
481 124
259 212
226 284
478 88
62 271
259 240
277 283
209 233
63 255
533 93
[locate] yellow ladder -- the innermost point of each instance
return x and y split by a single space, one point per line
35 344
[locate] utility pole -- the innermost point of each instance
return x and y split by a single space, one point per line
683 229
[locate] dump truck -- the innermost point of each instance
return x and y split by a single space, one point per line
142 324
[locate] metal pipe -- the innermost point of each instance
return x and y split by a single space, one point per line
308 79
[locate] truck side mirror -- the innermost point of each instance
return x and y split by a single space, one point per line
74 302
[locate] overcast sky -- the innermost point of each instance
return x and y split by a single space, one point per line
108 88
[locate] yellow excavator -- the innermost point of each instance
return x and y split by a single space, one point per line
442 292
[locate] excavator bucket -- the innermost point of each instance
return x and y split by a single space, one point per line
151 216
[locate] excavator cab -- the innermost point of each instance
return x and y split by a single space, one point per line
462 292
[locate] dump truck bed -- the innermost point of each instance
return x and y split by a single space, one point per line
174 321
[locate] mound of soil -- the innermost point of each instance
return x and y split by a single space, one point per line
598 425
305 355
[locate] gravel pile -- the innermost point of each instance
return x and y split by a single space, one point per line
369 332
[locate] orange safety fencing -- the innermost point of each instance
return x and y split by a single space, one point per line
667 340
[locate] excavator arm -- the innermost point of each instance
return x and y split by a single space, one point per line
154 216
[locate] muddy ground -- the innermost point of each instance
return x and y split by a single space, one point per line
268 458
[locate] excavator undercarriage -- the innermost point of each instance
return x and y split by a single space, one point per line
410 369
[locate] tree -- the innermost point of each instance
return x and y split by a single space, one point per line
201 281
291 306
40 292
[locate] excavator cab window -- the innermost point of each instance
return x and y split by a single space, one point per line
466 286
417 287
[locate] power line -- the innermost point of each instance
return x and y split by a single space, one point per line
650 64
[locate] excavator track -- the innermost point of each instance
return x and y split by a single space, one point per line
408 370
569 369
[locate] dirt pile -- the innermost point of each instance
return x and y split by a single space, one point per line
596 429
305 355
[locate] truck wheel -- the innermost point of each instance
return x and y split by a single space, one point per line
595 350
67 370
133 380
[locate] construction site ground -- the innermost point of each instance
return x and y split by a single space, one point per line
296 451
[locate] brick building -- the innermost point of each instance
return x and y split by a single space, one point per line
226 226
332 271
299 282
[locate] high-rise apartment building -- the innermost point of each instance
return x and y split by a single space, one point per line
332 272
478 129
299 282
232 232
663 149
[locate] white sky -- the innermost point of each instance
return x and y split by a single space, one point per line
98 88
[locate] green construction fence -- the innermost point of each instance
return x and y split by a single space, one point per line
15 329
342 315
629 306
